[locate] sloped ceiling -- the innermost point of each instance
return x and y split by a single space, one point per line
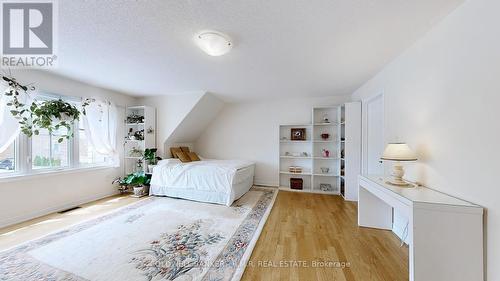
197 120
282 48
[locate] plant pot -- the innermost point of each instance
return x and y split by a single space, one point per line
123 188
64 117
138 190
150 168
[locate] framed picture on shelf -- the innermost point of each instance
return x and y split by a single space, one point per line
298 134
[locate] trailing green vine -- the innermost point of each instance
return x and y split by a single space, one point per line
51 115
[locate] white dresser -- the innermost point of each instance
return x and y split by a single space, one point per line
444 234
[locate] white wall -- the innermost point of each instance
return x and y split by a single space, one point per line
250 131
195 122
170 111
442 96
30 197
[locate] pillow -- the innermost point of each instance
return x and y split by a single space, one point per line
169 161
193 156
183 157
174 151
185 149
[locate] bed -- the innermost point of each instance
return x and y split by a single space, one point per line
212 181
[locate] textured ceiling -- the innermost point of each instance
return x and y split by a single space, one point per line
282 48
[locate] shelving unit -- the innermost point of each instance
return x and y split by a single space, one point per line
344 144
311 164
148 126
331 144
350 130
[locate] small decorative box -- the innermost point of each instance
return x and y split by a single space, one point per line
296 183
295 169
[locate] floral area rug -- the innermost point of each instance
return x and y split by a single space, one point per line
155 239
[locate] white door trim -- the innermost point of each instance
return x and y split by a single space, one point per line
364 126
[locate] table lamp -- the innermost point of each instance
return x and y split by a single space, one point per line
398 152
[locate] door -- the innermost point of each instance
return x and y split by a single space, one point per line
373 135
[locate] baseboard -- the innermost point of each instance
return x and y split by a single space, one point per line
265 184
19 219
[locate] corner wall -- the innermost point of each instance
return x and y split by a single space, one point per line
250 131
170 111
442 97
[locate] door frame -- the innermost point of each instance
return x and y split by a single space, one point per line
364 127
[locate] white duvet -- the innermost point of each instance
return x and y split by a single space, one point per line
207 180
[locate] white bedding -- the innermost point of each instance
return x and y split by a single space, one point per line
214 181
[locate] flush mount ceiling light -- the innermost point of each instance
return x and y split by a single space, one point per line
213 43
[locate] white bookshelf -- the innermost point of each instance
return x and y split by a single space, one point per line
149 141
344 129
332 144
350 130
312 163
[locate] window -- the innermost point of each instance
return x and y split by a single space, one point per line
8 159
87 154
47 152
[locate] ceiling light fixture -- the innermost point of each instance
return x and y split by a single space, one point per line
213 43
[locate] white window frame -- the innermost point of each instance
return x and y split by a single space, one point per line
41 170
17 159
23 152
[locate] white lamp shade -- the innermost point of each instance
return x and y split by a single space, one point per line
398 152
213 43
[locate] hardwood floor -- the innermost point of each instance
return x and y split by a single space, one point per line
308 228
301 229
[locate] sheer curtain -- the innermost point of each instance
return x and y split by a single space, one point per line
9 127
100 124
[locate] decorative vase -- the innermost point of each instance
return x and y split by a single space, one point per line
326 153
325 118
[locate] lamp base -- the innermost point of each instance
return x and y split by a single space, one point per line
398 183
398 173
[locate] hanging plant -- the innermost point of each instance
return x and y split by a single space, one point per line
51 115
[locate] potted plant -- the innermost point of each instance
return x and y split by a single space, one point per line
137 181
136 152
122 186
50 115
151 158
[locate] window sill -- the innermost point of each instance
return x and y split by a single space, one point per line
38 174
